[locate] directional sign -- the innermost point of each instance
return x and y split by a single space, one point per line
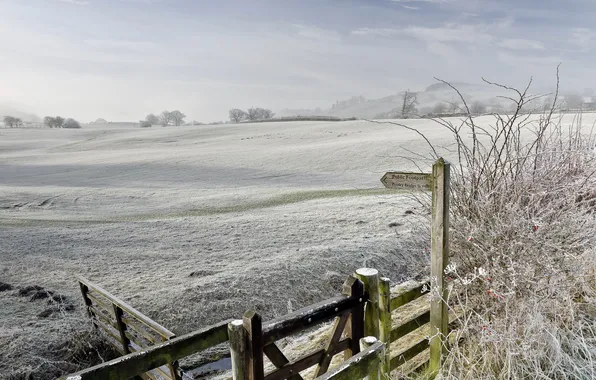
407 181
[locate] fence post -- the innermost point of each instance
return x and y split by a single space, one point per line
238 338
385 321
439 317
354 288
375 373
370 279
121 328
253 324
84 290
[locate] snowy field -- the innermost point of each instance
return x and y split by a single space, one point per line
193 225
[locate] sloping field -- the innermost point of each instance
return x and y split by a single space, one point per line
193 225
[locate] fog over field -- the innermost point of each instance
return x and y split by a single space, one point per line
199 159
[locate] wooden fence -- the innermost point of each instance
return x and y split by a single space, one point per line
126 328
398 318
410 323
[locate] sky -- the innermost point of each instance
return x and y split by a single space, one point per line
122 59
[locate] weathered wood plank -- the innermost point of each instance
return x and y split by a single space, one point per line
401 357
385 320
143 343
279 359
129 309
408 292
254 328
142 330
97 313
305 362
164 353
112 332
121 327
439 318
355 288
102 304
416 322
309 316
338 329
358 366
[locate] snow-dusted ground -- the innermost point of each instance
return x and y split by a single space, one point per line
193 225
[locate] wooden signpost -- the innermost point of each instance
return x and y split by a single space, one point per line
407 181
438 183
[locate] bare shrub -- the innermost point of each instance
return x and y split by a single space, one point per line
523 263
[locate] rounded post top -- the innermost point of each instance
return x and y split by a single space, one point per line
237 322
367 272
370 340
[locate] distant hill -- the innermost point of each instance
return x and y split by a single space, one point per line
99 121
360 107
6 110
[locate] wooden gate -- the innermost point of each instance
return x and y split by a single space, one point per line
126 328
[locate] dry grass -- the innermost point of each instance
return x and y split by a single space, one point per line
522 240
66 345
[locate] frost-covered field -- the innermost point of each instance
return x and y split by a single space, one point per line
193 225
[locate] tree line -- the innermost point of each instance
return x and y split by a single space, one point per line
164 119
48 121
60 122
237 115
12 122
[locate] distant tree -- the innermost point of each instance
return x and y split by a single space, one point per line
58 122
12 122
259 113
71 123
477 108
440 108
574 101
165 118
145 124
177 117
152 119
237 115
49 121
409 102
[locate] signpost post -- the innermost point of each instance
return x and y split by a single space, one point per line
438 183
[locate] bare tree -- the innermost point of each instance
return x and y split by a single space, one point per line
409 102
49 121
58 122
177 117
71 123
237 115
165 118
259 113
152 119
477 108
12 122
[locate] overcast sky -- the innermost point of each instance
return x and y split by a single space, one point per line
121 59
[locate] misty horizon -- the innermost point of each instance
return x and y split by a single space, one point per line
122 59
